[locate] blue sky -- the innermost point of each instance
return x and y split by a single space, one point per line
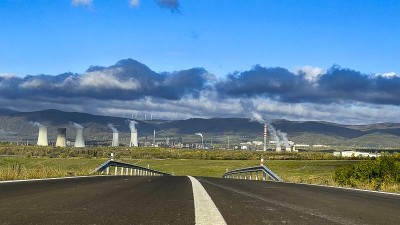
277 58
52 37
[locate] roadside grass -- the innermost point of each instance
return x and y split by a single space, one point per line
300 171
306 171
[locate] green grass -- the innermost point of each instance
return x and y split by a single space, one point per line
305 171
309 171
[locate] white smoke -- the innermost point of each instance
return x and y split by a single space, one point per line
274 134
77 126
283 136
36 124
200 134
111 126
256 117
132 124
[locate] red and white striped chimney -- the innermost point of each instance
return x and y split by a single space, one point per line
265 136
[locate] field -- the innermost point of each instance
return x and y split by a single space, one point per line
307 171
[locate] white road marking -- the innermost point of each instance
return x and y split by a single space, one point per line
53 178
205 211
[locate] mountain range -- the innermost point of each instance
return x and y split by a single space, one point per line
15 124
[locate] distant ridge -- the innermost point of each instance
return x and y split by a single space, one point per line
304 132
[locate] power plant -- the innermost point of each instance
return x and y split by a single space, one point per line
61 137
134 134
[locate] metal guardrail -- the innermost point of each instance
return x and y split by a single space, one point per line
252 173
121 168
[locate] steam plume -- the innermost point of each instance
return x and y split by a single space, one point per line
111 126
132 124
77 126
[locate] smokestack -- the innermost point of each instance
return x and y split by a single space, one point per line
154 137
134 134
265 136
61 137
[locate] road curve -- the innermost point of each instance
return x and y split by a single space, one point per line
169 200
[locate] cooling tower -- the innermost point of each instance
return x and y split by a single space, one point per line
79 142
115 142
42 138
134 139
61 137
265 137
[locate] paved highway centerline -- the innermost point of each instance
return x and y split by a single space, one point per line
205 210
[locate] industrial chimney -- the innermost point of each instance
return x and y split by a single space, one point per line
134 134
61 137
265 136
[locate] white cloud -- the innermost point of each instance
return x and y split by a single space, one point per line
82 2
134 3
312 74
386 75
32 84
107 80
8 75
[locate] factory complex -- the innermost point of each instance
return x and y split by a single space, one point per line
61 140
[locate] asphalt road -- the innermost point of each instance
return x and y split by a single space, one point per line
169 200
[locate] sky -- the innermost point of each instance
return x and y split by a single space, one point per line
333 60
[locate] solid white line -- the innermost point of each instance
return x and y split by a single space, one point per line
53 178
205 210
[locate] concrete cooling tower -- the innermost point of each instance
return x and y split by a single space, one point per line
42 138
115 142
79 141
61 137
134 139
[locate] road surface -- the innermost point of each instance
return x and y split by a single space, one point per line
177 200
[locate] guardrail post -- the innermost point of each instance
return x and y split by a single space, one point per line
108 170
122 170
134 172
250 175
257 175
126 170
115 172
131 171
264 176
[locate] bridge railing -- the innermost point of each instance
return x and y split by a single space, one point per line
252 173
121 168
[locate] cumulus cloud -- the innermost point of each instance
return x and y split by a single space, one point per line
308 93
82 2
